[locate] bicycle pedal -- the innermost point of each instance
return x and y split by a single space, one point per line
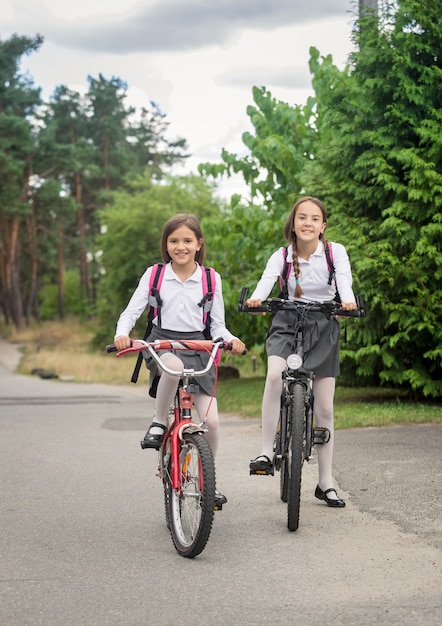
321 435
264 472
218 507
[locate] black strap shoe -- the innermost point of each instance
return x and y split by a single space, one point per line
153 441
333 502
220 499
262 465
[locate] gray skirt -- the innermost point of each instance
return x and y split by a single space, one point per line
190 358
321 341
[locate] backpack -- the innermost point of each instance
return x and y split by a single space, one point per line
154 304
287 268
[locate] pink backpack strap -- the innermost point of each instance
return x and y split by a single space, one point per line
155 281
330 249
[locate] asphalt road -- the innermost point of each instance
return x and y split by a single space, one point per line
83 538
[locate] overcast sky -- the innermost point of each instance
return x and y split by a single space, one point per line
197 59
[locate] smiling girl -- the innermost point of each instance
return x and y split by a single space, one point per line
309 282
182 249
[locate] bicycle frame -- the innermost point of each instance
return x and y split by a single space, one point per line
296 435
184 398
185 461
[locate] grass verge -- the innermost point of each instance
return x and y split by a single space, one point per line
64 349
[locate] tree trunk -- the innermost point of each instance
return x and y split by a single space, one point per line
13 275
84 271
4 292
60 270
32 307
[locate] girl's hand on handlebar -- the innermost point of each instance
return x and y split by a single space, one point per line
238 347
122 342
349 306
255 303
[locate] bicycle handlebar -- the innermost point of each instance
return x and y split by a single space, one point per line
200 345
271 305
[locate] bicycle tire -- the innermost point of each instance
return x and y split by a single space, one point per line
308 434
191 508
283 466
295 454
284 480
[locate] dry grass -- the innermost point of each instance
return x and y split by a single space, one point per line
64 349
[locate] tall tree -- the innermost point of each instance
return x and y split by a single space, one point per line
379 165
19 100
373 152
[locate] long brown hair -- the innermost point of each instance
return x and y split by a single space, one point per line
183 219
290 235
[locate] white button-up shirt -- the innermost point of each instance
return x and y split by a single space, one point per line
313 277
179 311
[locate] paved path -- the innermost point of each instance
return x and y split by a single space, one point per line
83 538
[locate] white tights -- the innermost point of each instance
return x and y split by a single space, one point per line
206 406
324 390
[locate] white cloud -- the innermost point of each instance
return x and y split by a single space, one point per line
196 59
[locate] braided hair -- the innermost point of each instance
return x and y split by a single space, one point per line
290 236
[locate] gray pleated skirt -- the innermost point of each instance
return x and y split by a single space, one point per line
190 358
321 341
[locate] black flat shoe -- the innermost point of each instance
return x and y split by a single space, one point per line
262 466
322 495
220 499
153 441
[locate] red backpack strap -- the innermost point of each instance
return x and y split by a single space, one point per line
154 308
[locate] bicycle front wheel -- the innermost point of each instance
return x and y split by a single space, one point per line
295 455
191 507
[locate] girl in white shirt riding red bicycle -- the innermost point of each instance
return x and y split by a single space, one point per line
183 250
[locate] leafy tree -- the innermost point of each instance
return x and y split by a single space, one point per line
379 165
371 149
18 102
58 161
283 140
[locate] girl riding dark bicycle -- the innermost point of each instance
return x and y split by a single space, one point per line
308 281
183 250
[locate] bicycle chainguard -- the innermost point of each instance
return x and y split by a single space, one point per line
321 436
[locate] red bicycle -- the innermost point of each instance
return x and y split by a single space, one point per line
185 461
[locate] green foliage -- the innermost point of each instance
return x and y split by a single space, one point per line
58 162
380 166
241 244
369 145
282 141
74 298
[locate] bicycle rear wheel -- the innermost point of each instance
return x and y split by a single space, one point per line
191 507
295 454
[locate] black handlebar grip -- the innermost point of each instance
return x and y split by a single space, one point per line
111 348
242 298
360 302
344 313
